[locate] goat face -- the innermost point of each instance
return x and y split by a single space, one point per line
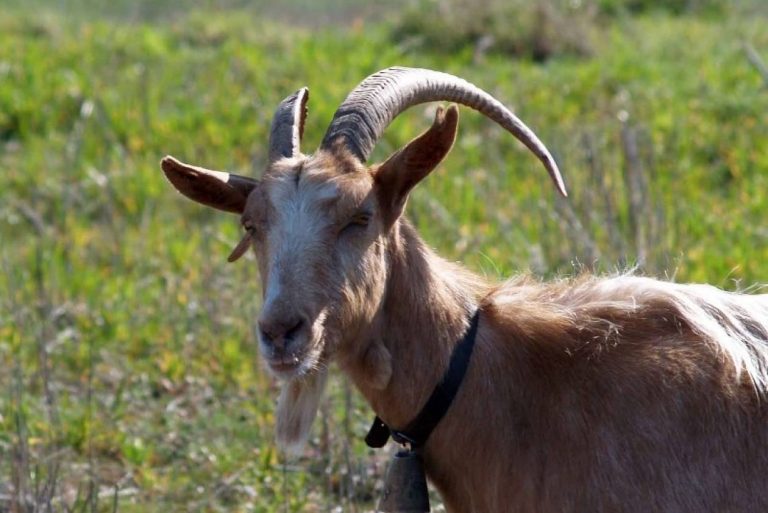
317 234
319 224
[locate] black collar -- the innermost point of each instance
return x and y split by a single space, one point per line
418 430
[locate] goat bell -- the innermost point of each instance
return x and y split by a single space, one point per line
405 488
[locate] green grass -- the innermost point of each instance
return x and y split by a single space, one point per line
125 338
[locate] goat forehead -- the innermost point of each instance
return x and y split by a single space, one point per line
298 199
309 192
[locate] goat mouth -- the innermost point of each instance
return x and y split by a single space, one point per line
291 365
283 366
302 355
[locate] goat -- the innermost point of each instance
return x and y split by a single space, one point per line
595 394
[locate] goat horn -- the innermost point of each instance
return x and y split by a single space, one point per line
372 105
288 126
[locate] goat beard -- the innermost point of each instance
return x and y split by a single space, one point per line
297 408
300 397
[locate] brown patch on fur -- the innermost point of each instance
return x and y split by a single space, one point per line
339 159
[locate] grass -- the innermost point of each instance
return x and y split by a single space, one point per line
130 373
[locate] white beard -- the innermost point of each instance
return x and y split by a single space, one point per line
297 408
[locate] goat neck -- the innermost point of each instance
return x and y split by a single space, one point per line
425 311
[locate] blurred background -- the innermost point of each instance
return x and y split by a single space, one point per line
129 379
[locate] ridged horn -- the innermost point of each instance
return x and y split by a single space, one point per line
288 126
372 105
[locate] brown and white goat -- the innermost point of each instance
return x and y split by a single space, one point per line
584 395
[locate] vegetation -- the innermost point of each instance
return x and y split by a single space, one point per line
131 380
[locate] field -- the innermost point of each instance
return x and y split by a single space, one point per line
130 378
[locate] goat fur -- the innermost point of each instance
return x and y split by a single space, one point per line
590 394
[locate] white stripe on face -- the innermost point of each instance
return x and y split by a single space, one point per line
297 232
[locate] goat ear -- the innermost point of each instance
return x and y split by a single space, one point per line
217 189
408 166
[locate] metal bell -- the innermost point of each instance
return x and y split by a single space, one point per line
405 488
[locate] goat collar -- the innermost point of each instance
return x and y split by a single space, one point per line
416 433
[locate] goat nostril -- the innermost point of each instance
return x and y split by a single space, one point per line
268 333
293 331
278 334
264 336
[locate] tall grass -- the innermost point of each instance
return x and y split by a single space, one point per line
131 377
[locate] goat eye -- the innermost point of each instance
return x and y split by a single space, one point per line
359 220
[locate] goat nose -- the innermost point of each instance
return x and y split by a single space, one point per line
278 332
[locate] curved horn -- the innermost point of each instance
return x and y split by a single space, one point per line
372 105
288 126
